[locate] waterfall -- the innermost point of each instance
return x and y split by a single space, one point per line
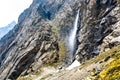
72 38
72 43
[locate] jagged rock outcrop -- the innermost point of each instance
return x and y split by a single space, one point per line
97 22
34 40
41 35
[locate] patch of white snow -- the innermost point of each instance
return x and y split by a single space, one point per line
74 64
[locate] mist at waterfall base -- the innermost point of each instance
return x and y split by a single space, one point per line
72 42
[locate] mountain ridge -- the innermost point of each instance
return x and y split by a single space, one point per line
6 29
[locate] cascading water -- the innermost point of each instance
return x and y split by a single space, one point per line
72 42
72 38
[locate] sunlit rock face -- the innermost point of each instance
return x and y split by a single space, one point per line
38 39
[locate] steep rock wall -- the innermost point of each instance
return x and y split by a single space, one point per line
36 39
97 20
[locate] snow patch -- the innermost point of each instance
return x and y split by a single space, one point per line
73 65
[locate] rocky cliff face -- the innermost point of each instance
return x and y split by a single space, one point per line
97 20
41 35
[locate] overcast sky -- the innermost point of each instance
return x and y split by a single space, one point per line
11 9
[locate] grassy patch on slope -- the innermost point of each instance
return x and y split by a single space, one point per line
109 63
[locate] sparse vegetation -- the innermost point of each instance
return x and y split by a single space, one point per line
110 70
24 78
55 32
62 51
46 76
111 53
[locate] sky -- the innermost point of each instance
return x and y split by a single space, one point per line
11 9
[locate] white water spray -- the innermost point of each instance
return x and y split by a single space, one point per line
72 38
72 42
